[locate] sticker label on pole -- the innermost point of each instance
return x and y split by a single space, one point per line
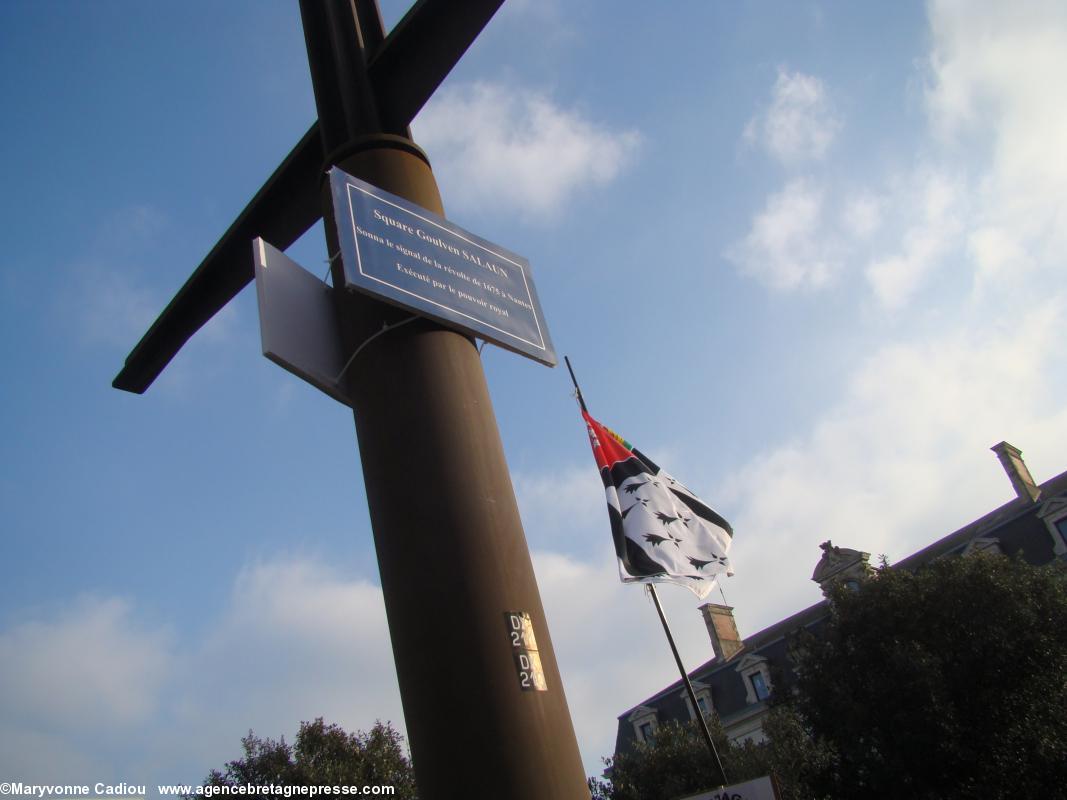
524 649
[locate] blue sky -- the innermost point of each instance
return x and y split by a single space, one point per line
808 256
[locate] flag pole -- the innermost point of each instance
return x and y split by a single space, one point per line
578 391
688 687
667 630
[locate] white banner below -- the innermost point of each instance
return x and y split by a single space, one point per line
758 789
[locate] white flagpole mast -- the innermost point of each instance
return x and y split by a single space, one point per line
667 630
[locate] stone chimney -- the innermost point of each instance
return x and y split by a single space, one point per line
1011 458
722 629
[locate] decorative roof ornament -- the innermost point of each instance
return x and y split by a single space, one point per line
841 565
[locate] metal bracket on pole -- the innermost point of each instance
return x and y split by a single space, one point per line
329 264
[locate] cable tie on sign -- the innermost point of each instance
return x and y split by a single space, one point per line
329 264
368 340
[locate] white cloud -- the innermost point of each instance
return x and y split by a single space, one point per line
994 80
111 700
900 460
109 697
91 665
994 86
556 506
862 215
996 77
609 643
787 246
800 123
903 458
936 204
997 253
298 640
504 147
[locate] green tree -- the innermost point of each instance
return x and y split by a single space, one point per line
323 755
796 758
677 763
948 682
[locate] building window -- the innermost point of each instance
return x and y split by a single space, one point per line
647 734
703 695
759 686
643 718
983 544
756 677
1054 512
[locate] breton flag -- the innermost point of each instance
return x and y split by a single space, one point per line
662 531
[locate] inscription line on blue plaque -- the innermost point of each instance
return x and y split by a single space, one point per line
496 301
540 341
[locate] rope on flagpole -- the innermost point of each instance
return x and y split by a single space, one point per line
577 389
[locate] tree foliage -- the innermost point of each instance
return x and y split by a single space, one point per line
948 682
942 684
323 755
796 758
677 762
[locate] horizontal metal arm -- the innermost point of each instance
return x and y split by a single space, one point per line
419 53
403 73
286 206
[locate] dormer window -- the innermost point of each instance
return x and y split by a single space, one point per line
756 675
1054 512
643 718
759 685
703 696
983 544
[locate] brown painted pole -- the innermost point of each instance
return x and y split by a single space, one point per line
465 616
451 549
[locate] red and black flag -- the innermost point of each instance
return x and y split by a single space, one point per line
662 531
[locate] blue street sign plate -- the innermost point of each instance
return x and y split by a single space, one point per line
411 257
